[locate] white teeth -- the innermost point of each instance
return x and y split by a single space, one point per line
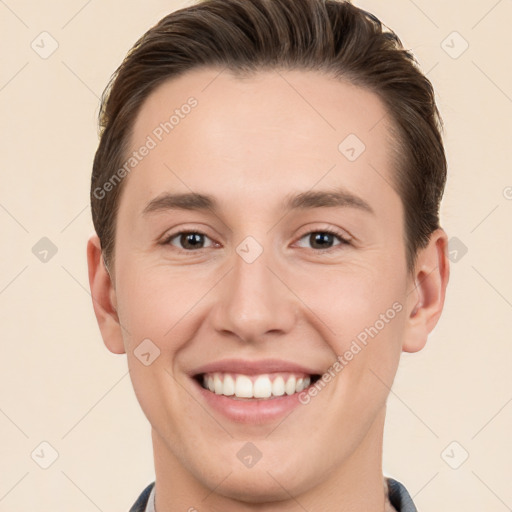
242 386
278 386
262 387
290 386
217 385
229 386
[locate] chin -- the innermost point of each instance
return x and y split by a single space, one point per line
263 483
257 488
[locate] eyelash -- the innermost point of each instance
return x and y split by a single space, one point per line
343 240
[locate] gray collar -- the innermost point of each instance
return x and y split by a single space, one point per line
150 507
399 498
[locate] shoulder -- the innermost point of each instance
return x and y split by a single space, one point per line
399 496
142 500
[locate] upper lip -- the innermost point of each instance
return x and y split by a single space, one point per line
248 367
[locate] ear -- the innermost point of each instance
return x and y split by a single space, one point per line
104 297
427 291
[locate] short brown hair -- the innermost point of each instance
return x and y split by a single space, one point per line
245 36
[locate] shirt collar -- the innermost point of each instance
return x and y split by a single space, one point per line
399 499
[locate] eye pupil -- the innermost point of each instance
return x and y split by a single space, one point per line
322 239
192 240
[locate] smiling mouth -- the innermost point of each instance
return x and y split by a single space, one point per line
255 387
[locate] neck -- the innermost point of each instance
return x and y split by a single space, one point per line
355 484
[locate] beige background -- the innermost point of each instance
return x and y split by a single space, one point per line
59 384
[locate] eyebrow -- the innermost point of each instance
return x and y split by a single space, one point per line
302 201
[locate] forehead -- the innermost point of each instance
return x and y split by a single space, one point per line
262 136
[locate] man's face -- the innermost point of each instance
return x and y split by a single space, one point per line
262 295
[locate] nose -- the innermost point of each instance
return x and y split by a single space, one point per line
254 301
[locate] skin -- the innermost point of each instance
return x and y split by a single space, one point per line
250 143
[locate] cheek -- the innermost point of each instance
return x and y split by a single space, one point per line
151 301
365 315
351 301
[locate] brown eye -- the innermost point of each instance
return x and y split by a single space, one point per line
188 240
324 239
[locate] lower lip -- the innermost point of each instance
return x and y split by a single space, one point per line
253 411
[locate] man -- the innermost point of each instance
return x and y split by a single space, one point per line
265 197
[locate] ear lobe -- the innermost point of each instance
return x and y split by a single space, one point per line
104 299
426 299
